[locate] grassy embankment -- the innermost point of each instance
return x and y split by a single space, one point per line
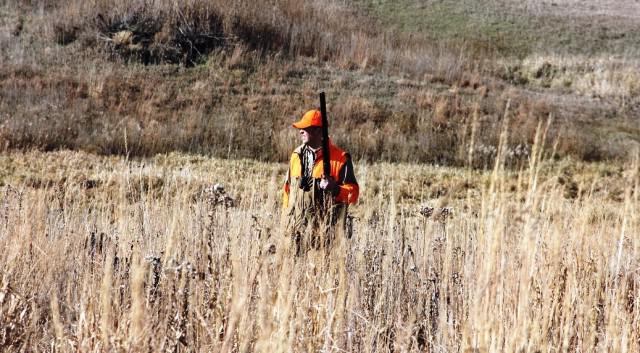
582 56
224 81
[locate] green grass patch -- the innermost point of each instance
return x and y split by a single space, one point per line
506 30
456 23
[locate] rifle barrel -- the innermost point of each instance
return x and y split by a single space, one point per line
325 137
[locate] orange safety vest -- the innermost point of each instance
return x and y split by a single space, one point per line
348 193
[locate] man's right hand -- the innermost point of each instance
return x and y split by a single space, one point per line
329 184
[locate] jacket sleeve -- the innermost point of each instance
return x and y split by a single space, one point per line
285 190
348 189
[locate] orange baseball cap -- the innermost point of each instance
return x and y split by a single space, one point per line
310 118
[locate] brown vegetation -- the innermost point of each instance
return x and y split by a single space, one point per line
259 65
142 256
119 246
186 32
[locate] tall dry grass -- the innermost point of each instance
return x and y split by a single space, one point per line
186 32
106 254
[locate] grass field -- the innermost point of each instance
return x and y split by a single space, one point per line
104 254
496 144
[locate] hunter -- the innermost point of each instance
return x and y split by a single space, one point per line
314 204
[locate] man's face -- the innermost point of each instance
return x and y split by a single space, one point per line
312 136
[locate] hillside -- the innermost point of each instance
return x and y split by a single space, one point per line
589 28
407 81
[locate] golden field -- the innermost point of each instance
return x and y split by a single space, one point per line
105 254
121 120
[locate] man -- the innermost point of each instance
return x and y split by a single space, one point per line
315 204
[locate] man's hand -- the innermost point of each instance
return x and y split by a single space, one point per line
328 184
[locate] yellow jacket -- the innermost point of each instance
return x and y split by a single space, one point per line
341 171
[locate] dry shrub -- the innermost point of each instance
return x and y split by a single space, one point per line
64 33
358 110
442 111
361 126
186 32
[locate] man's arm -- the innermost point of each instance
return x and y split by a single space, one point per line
286 188
347 190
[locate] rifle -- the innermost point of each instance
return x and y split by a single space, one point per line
325 137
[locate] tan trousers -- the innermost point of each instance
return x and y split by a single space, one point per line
311 221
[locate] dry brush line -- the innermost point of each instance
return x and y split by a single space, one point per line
163 31
156 32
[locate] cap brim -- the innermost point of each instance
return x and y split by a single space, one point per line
300 125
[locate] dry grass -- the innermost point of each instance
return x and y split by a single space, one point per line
620 9
225 79
187 32
105 254
116 253
596 77
246 113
